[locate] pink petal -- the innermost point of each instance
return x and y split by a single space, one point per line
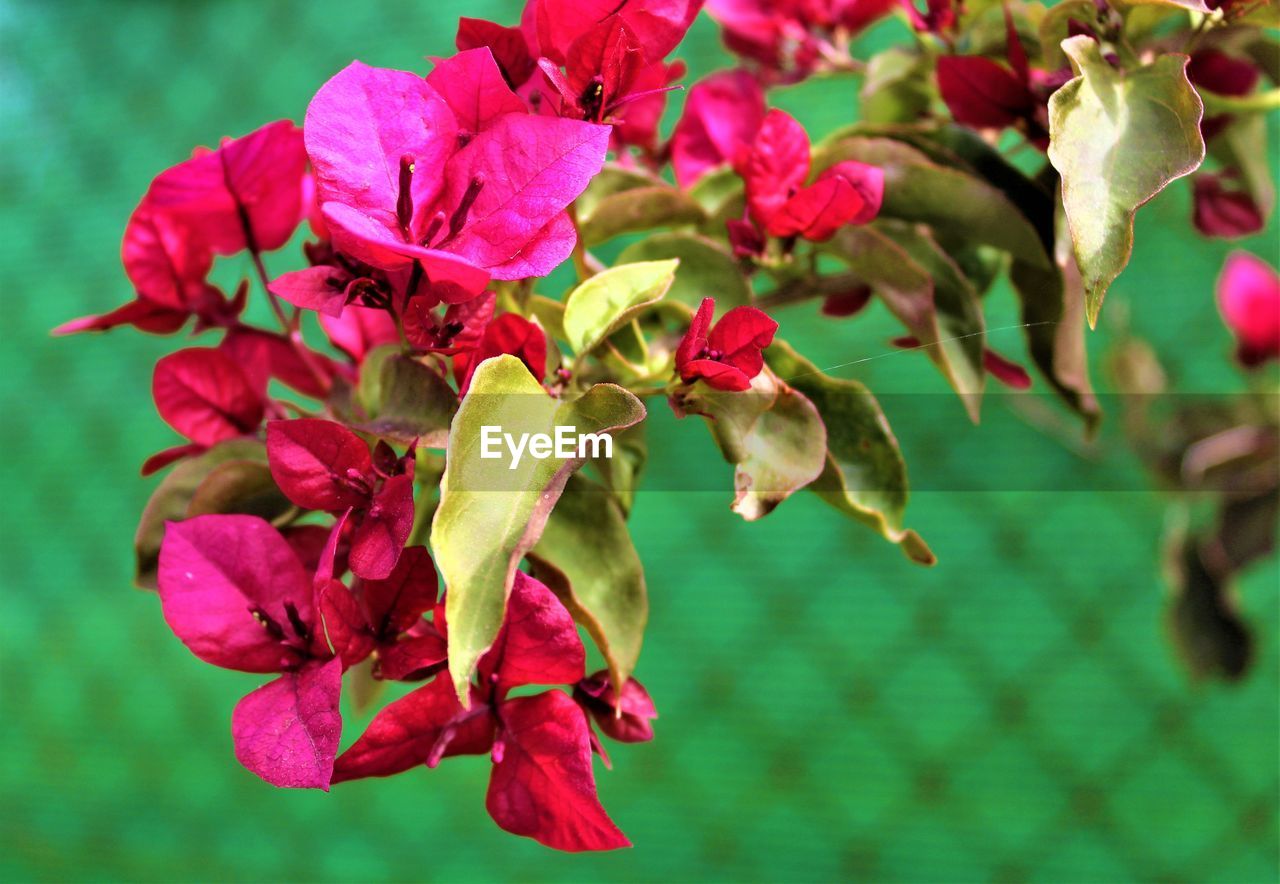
381 535
1007 372
287 731
472 85
740 335
361 124
397 602
507 45
162 459
538 642
413 657
204 395
142 314
215 572
717 375
257 177
721 116
695 340
776 165
264 355
659 25
315 462
548 249
543 786
406 733
344 631
166 262
532 168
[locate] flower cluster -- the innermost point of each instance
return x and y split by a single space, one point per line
328 516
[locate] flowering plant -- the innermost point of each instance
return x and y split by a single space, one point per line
334 515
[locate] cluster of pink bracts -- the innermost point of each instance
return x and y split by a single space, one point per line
420 191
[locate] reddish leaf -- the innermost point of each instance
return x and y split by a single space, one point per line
542 784
407 732
287 731
226 585
1009 373
382 533
204 395
319 464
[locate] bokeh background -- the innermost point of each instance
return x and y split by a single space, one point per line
828 710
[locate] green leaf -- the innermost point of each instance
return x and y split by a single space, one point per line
239 486
490 515
404 399
771 433
706 268
622 201
1243 145
621 473
898 87
550 315
1055 27
172 497
865 476
1117 138
926 291
609 300
956 204
586 557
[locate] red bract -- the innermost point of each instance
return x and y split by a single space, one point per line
625 718
542 784
509 333
982 93
204 395
1221 212
1249 298
321 465
458 331
728 356
235 593
473 86
658 25
246 194
263 356
508 45
721 116
775 169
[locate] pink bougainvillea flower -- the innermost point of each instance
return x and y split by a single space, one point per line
322 465
1249 298
1220 212
729 355
508 45
246 194
542 784
775 168
396 190
204 395
509 333
658 25
264 356
721 117
234 591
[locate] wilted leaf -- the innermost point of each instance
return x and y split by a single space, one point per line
624 201
865 476
587 559
404 399
705 267
1117 138
928 294
608 300
955 203
492 511
239 486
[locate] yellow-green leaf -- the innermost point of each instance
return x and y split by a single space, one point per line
608 300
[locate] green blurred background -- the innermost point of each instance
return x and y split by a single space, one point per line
828 710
